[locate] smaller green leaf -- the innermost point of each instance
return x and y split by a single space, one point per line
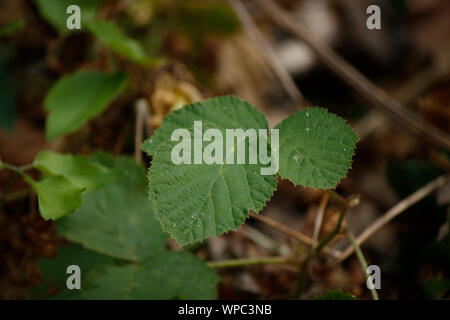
436 288
57 196
109 34
316 148
335 295
11 27
55 12
77 98
166 275
406 176
1 164
7 103
81 171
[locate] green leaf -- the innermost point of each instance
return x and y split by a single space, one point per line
436 288
406 176
109 34
55 11
316 148
7 103
335 295
198 18
77 98
117 219
11 27
195 201
57 196
81 171
53 271
166 275
1 164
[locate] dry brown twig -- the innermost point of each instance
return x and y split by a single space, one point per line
392 213
268 52
319 216
355 79
294 234
141 115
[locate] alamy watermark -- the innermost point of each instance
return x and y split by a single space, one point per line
190 150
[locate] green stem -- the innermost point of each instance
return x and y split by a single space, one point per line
303 275
362 262
19 170
250 261
332 234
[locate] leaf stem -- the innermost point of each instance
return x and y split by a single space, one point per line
362 262
251 261
333 233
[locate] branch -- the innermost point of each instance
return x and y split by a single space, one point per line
141 112
319 216
266 49
356 80
393 212
294 234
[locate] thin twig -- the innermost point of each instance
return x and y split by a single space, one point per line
251 261
392 213
292 233
319 216
362 262
141 112
268 52
355 79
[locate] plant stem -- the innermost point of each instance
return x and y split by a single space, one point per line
16 169
251 261
333 233
363 263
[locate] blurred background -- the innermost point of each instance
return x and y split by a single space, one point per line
200 49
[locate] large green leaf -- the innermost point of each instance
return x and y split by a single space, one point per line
57 196
109 34
77 98
165 275
316 148
81 171
195 201
55 11
117 219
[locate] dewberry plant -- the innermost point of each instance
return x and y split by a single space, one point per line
121 214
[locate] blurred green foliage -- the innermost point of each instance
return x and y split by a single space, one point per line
55 12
